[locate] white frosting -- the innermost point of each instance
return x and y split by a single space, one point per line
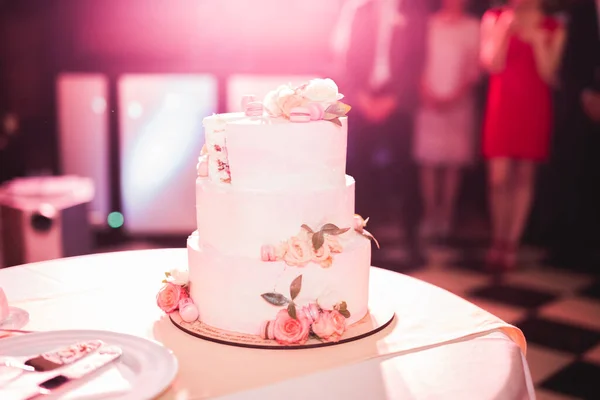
227 289
239 221
267 177
274 153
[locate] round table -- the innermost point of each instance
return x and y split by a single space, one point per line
439 345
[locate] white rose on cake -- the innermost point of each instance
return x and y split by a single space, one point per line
321 91
178 277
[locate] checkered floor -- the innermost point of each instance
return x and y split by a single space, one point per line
558 309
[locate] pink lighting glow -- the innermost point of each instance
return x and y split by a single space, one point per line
98 104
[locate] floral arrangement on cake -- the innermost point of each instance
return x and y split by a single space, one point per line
175 295
313 246
307 246
319 99
295 325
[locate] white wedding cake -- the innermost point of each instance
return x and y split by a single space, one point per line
278 251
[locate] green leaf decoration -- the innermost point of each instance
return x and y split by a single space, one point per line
295 287
338 108
164 281
329 227
292 310
318 239
307 228
342 308
332 229
275 298
370 236
167 274
336 121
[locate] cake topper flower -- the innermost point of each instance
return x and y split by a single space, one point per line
319 98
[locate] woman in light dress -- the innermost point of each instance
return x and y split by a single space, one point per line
446 123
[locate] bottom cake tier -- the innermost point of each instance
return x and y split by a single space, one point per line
241 294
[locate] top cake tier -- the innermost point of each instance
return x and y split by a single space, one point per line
296 138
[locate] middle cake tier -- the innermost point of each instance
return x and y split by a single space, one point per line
240 221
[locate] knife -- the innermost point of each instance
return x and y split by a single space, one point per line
103 356
56 358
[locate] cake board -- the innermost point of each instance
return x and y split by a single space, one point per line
377 319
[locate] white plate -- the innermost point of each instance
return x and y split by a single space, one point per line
144 371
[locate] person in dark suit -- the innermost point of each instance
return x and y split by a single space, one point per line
574 170
381 45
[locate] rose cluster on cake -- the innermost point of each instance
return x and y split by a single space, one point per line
174 295
307 246
294 325
328 326
319 99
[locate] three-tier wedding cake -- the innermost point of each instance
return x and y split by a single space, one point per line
278 251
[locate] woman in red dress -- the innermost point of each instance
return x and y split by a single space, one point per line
521 49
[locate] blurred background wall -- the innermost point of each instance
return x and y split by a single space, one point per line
89 54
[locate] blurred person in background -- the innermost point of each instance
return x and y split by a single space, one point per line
446 122
380 43
573 199
521 49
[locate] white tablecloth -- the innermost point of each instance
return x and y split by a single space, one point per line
439 345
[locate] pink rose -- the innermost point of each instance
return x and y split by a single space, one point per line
290 102
279 102
288 330
299 252
168 297
323 256
330 326
333 242
268 253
